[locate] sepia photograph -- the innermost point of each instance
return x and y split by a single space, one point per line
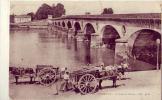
82 50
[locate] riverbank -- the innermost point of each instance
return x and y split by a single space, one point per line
38 24
140 85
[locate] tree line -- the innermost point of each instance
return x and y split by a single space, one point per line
44 10
107 11
55 10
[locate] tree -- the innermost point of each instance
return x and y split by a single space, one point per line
45 10
59 10
110 11
107 11
53 10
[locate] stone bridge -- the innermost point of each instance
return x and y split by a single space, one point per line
137 33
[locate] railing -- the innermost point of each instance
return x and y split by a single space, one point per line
113 16
149 20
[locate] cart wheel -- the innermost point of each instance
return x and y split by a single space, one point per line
87 84
47 76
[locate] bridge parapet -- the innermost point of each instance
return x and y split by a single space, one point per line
148 20
113 16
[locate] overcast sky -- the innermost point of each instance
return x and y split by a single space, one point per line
94 7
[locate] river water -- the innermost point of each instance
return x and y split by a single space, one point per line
29 48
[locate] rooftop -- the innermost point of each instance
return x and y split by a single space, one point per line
22 16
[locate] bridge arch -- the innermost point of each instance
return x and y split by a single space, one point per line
69 25
109 35
63 24
59 23
89 30
142 45
56 23
77 27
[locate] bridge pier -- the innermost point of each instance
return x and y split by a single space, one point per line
96 39
121 51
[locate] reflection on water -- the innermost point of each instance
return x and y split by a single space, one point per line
44 47
29 48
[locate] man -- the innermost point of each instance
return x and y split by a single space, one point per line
65 76
66 80
57 82
124 67
100 74
112 72
119 68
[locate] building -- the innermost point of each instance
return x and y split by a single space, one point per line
22 18
87 13
49 16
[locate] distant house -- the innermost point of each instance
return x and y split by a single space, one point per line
87 13
49 16
22 18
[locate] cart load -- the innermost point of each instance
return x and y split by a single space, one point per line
86 79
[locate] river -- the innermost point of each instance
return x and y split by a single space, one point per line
32 47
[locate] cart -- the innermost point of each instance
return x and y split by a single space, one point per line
47 74
44 74
86 79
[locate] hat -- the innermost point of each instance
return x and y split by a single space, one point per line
62 69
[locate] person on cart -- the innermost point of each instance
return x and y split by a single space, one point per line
122 68
101 68
125 67
112 70
120 71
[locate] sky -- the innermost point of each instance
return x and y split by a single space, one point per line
94 7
